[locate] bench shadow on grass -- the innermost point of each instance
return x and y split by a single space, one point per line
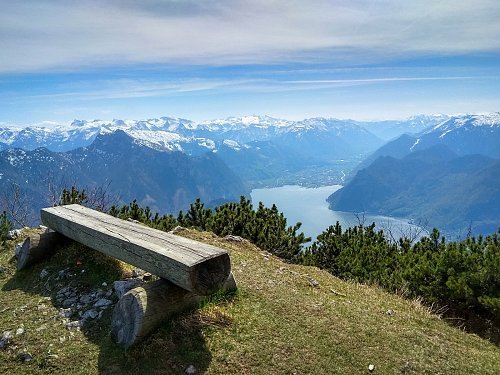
177 344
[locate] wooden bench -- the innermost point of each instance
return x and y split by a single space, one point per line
188 270
197 267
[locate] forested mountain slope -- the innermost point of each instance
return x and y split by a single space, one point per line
433 185
165 181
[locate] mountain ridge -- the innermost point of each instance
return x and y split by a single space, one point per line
453 192
82 132
165 181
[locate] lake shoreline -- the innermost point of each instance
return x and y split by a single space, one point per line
308 205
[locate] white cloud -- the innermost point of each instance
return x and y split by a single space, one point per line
39 35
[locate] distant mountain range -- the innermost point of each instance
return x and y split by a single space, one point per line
262 150
448 176
390 129
165 181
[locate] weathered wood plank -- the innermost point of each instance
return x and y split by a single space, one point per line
142 309
194 266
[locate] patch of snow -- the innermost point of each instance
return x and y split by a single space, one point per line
207 143
446 132
248 120
232 144
158 139
416 143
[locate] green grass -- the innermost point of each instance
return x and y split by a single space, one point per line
277 323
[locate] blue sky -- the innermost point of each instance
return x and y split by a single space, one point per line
61 60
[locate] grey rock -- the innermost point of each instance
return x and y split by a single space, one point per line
44 274
233 238
314 283
86 299
13 234
191 370
70 301
103 302
177 229
5 339
25 357
123 286
19 331
371 368
63 291
390 312
90 314
75 324
65 313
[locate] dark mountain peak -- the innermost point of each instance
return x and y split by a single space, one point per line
110 141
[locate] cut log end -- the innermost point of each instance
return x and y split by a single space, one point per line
38 247
211 275
142 309
128 316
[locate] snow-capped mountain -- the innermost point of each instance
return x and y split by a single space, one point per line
391 129
464 135
467 134
447 175
256 147
171 134
164 132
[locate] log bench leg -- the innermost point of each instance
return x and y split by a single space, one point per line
142 309
38 247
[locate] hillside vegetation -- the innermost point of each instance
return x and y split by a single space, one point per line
284 319
450 192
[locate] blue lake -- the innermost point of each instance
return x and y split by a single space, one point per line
309 206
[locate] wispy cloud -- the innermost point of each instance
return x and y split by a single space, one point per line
46 35
142 88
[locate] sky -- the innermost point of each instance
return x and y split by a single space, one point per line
207 59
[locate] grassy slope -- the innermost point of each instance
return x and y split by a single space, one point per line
277 324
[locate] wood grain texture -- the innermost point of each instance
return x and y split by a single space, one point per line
192 265
142 309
